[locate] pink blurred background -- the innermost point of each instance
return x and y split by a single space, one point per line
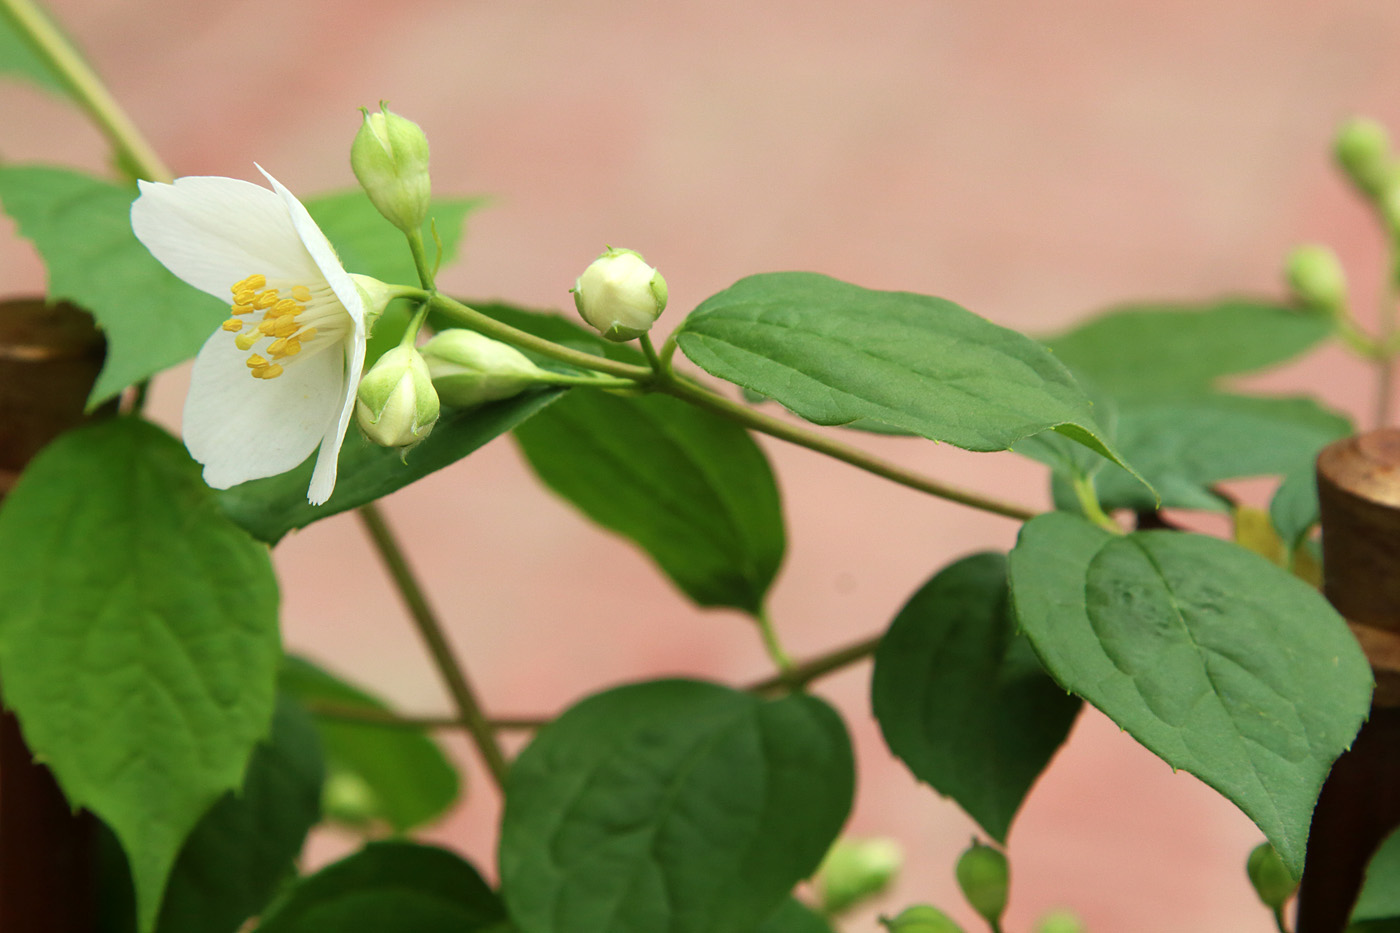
1033 161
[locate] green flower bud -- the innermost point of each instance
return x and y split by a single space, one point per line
1060 921
620 295
921 918
856 870
984 876
395 404
468 368
347 798
390 158
1362 149
1315 276
1270 877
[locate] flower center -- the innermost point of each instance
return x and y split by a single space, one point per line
295 317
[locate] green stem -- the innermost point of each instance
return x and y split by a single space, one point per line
592 382
415 324
491 327
420 258
87 89
433 636
795 434
657 364
781 659
1088 498
799 675
1279 921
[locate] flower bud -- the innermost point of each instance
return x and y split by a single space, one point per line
620 295
348 799
984 877
1060 921
921 918
855 870
1270 877
1316 277
395 404
468 368
1362 149
390 158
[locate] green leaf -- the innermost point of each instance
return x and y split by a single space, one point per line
138 636
962 700
1157 350
1184 445
794 917
671 807
389 886
246 846
408 779
1213 658
1380 893
690 488
834 353
269 508
1294 509
369 245
81 227
19 58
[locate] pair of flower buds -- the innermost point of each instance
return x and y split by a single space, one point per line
400 398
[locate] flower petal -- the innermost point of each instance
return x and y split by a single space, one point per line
243 428
327 462
213 231
322 253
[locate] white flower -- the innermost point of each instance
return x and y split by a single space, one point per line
279 377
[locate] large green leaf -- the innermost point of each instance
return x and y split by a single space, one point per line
403 777
1380 894
246 846
962 700
269 508
1156 350
1184 445
390 886
690 488
835 353
18 57
81 226
671 807
1216 660
794 917
138 636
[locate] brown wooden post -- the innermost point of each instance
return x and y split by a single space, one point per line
49 357
1358 483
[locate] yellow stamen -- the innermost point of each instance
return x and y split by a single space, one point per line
233 325
265 300
293 346
301 293
307 334
241 308
246 341
256 362
271 372
285 306
278 327
251 283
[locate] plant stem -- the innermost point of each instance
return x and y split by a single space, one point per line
1385 337
799 675
1088 498
420 259
658 365
795 434
493 328
87 89
781 659
433 636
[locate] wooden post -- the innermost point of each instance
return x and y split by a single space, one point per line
49 357
1358 484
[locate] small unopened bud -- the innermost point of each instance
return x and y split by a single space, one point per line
347 798
1362 149
620 295
390 158
1270 876
1315 275
395 404
1060 921
984 876
468 368
856 870
921 918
